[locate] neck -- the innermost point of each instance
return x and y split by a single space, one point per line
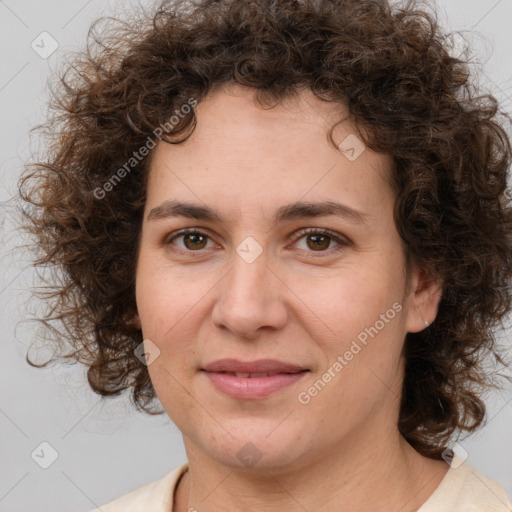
386 476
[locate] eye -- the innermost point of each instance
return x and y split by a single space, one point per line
316 240
319 240
193 240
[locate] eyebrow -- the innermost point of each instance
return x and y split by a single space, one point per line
293 211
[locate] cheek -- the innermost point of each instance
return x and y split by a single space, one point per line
168 316
344 302
166 298
358 326
361 366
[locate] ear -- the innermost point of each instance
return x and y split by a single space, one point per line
425 294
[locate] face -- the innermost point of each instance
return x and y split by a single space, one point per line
255 278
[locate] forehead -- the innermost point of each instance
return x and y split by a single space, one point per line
243 151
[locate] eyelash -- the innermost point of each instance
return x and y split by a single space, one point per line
342 242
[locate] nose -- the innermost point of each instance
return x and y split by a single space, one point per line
251 298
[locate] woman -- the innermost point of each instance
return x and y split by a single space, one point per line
288 222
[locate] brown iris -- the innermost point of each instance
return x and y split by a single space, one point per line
196 239
317 244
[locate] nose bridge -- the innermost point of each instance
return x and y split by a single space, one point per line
250 296
246 279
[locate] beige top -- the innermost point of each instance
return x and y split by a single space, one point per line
463 489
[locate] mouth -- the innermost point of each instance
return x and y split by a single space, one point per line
257 368
252 375
252 385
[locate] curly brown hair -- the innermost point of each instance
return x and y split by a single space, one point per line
411 99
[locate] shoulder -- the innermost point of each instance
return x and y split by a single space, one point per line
464 489
156 496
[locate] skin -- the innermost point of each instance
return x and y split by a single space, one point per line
296 302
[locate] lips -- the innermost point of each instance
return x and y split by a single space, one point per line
251 375
264 367
254 379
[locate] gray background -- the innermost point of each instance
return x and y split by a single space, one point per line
106 449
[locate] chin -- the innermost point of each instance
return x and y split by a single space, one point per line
260 446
